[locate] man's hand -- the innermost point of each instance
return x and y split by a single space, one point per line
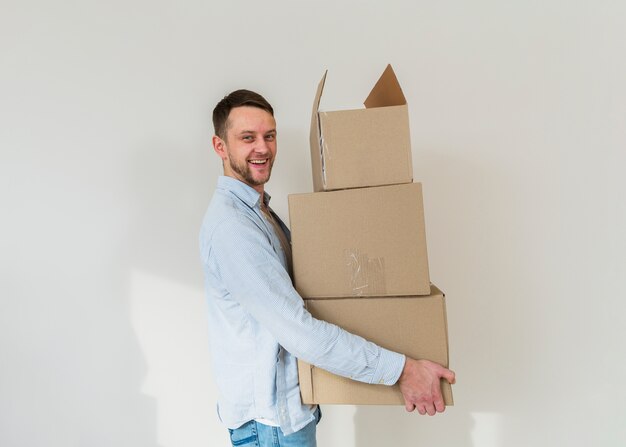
420 385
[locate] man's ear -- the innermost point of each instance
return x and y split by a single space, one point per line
219 146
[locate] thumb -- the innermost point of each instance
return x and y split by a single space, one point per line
449 375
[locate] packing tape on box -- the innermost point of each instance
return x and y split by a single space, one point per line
367 275
323 159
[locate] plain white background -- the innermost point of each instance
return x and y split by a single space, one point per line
517 114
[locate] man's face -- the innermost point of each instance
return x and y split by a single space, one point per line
249 148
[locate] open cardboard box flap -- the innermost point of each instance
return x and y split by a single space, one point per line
362 147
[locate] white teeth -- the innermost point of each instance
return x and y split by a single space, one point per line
257 162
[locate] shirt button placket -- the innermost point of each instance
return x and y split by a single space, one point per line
281 400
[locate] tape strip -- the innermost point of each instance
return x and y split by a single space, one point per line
367 275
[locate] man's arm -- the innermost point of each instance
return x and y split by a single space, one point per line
420 385
252 274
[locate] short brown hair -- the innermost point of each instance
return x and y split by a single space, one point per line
238 98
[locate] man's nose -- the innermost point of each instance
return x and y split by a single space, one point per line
262 146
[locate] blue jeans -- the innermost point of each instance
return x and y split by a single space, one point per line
254 433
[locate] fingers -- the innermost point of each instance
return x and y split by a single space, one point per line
426 409
440 407
430 406
420 384
435 404
430 410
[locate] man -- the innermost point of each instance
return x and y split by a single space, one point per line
258 323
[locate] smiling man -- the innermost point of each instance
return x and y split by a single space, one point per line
251 135
257 321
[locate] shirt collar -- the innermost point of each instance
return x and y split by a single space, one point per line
246 193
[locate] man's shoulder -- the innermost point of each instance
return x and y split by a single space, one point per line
227 214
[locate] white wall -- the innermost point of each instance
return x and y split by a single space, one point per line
518 131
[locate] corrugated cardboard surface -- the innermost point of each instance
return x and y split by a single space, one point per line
364 147
414 326
360 242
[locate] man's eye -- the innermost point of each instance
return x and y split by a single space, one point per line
247 138
270 137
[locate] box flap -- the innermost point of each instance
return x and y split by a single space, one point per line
315 121
315 139
386 92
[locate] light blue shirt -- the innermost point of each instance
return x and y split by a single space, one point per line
258 325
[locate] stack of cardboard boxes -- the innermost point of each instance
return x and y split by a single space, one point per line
359 242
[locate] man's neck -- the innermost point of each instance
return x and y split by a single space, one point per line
258 188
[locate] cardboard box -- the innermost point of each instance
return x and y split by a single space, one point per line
362 147
359 242
414 326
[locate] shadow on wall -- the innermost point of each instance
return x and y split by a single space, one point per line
75 369
379 425
170 185
171 188
471 219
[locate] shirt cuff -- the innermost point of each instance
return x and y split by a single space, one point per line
389 368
